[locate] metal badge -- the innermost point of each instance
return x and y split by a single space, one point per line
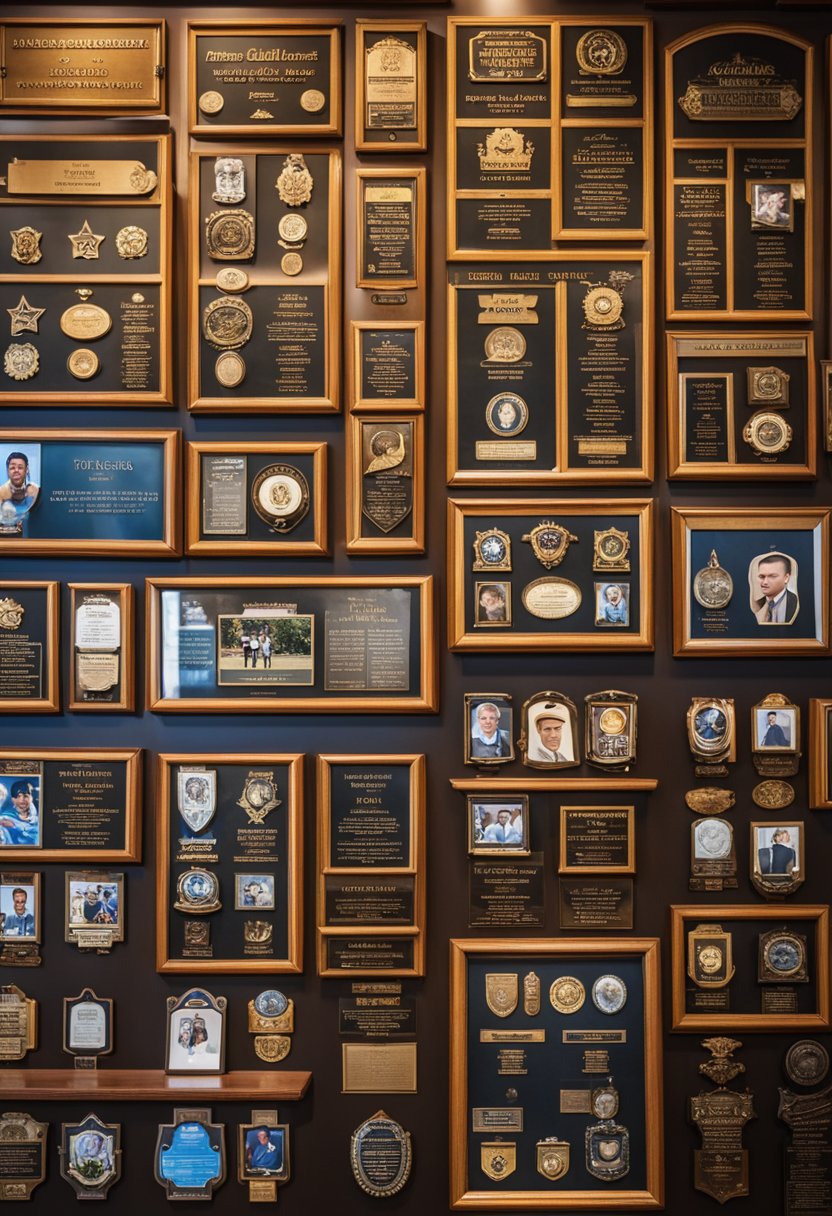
767 434
498 1159
83 364
782 958
712 585
292 229
721 1165
567 994
710 800
259 796
506 414
710 956
603 303
604 1101
381 1155
294 185
90 1156
280 496
230 369
21 361
505 344
211 102
609 994
550 542
502 993
26 245
610 551
131 242
552 1157
768 386
312 100
197 893
24 318
773 795
551 599
806 1063
607 1146
229 180
232 278
492 550
611 729
23 1163
272 1047
197 796
271 1012
85 243
229 235
531 994
227 322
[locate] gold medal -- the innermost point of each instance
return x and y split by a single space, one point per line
602 307
293 228
83 364
232 278
767 434
229 235
610 551
227 322
294 185
291 264
567 994
552 1158
280 496
713 586
230 369
85 322
211 102
498 1159
131 242
313 101
505 345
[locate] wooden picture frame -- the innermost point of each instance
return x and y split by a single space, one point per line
238 41
43 670
346 944
472 1086
121 448
826 389
121 693
795 917
601 810
77 930
86 843
820 774
298 530
421 694
394 370
385 464
511 842
633 515
399 121
498 746
286 869
408 265
741 539
179 1061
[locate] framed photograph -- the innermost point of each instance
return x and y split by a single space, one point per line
85 277
597 839
716 983
387 366
775 728
391 237
88 1024
196 1033
549 732
612 988
772 204
750 581
391 105
267 499
778 865
263 1152
498 824
231 62
94 908
488 728
230 845
101 658
264 292
550 551
70 804
19 908
385 484
99 493
328 630
29 641
371 896
820 753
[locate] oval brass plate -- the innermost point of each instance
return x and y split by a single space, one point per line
552 598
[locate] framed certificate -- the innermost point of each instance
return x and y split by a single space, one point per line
390 86
29 641
387 366
391 211
101 663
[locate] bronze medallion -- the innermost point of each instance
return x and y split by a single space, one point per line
227 322
773 795
505 344
229 235
313 101
272 1047
211 102
293 228
131 242
768 386
294 185
767 434
26 245
602 307
712 585
85 322
567 994
613 721
806 1063
610 551
230 369
291 264
232 278
280 496
11 613
601 53
24 318
83 364
21 361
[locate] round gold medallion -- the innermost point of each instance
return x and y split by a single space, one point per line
612 721
211 102
280 496
293 228
601 52
291 264
603 306
229 235
313 100
505 345
567 994
86 322
131 242
232 278
230 369
713 585
767 434
227 322
83 364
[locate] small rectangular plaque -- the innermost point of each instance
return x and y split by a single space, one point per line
388 1068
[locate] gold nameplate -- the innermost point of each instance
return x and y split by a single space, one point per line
512 1036
123 177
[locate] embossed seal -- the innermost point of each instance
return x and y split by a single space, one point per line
21 361
712 585
83 364
227 322
211 102
567 994
229 235
131 242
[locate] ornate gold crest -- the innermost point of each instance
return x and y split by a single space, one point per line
131 242
229 235
505 149
498 1159
11 613
610 551
501 993
552 1158
567 994
272 1047
227 322
603 308
294 185
26 245
259 796
601 53
21 361
549 542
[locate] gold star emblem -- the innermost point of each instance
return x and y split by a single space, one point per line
85 243
24 317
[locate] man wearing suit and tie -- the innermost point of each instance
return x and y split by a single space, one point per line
487 740
777 604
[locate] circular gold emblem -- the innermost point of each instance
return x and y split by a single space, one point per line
773 795
227 322
506 414
612 721
767 434
86 322
21 361
291 264
768 385
211 102
232 278
83 364
293 228
313 101
713 586
567 994
272 1047
280 496
230 235
601 52
230 369
603 306
709 959
505 345
131 242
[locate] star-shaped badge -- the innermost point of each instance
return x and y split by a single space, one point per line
85 243
24 317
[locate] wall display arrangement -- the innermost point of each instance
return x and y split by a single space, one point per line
29 675
101 660
85 277
264 246
229 891
390 86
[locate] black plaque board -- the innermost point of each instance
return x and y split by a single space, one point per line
602 171
706 405
377 1017
596 838
595 904
367 954
388 227
370 817
700 244
503 72
82 806
506 892
387 365
25 651
383 899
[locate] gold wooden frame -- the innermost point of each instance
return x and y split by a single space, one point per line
50 703
682 915
684 520
385 405
735 470
419 177
628 868
270 27
732 145
160 199
204 402
425 700
463 1195
820 787
170 544
561 473
459 638
293 963
25 878
389 543
87 105
411 141
231 546
127 700
119 881
826 387
416 868
131 757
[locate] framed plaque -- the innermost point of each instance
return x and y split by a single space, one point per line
100 493
85 276
741 406
190 1152
760 968
387 366
264 302
336 644
548 371
19 1030
597 839
820 753
196 1033
738 202
385 484
371 866
488 728
90 1154
70 804
391 211
101 660
88 1024
551 598
549 134
267 499
21 928
595 993
94 911
84 65
229 877
390 86
263 1156
29 639
750 581
264 78
22 1154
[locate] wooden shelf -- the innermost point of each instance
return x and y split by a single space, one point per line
148 1085
557 784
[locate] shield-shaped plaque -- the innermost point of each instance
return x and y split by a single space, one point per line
501 993
607 1150
90 1153
498 1159
552 1158
197 793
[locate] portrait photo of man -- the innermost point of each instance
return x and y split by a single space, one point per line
498 824
550 741
19 817
612 604
489 739
264 1151
17 909
772 579
775 728
19 492
493 603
